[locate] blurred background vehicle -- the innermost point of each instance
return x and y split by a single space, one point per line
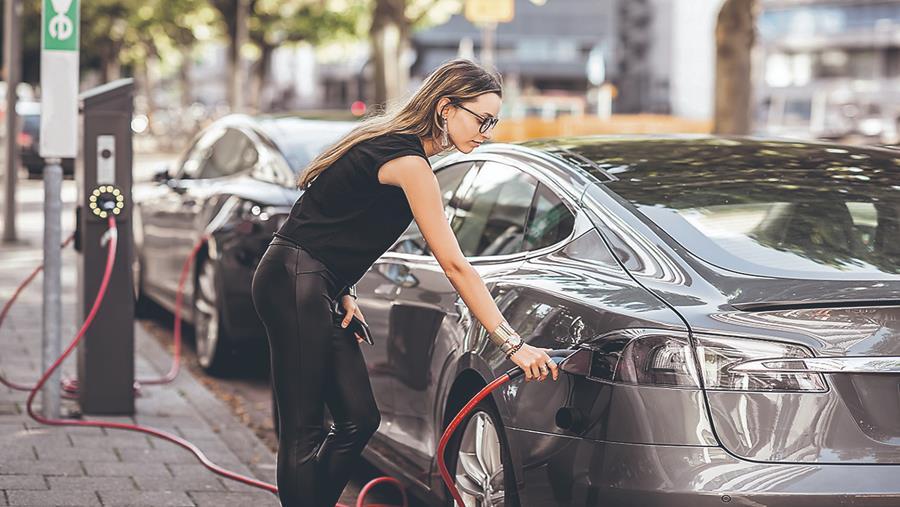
29 141
235 182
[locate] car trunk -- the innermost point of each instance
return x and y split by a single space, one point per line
857 417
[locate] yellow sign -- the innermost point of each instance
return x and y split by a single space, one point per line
490 11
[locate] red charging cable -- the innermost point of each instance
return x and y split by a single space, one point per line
558 356
445 438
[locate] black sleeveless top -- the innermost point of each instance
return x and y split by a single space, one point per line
347 218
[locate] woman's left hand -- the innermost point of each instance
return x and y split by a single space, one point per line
351 309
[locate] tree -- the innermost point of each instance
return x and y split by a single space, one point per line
277 22
735 36
274 22
111 28
172 32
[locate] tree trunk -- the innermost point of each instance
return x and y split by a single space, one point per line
144 84
735 35
389 37
184 78
261 75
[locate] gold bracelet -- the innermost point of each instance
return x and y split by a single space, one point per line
505 337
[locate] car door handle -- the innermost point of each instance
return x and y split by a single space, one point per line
188 203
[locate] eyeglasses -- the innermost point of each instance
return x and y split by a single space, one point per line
487 123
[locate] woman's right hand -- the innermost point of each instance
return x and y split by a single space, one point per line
531 359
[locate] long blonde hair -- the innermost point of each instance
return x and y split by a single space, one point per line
459 80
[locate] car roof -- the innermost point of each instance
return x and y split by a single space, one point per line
281 129
286 130
644 156
698 161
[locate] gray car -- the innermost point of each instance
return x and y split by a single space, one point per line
739 299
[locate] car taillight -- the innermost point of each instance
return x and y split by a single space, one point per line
718 354
666 358
644 357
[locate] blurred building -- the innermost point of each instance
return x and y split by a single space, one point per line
659 54
829 69
542 53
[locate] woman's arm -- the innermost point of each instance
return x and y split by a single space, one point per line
414 176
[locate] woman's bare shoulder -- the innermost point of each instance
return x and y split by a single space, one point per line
404 169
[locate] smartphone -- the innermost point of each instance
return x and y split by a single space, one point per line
358 326
355 325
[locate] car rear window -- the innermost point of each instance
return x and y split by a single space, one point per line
799 211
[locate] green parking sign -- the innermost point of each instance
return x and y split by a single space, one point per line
60 21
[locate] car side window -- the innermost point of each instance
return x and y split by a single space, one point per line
274 168
549 222
490 217
196 157
233 153
412 241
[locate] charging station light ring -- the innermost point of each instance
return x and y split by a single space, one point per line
106 194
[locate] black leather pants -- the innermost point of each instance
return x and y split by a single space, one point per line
314 362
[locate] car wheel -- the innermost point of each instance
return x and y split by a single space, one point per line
478 458
213 346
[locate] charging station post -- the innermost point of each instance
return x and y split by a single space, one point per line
106 354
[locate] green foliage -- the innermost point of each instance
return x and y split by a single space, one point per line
126 32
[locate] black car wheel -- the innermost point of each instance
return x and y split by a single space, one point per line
213 346
478 458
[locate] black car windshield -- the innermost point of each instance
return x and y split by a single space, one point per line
770 208
300 140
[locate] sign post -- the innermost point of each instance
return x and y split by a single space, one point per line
59 139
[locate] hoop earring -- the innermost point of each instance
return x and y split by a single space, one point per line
445 141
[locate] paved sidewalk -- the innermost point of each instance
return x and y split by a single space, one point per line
70 466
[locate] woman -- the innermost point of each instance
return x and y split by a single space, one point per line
361 194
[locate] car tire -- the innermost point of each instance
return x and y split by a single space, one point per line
470 464
214 348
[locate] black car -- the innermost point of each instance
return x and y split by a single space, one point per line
30 141
739 300
235 182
